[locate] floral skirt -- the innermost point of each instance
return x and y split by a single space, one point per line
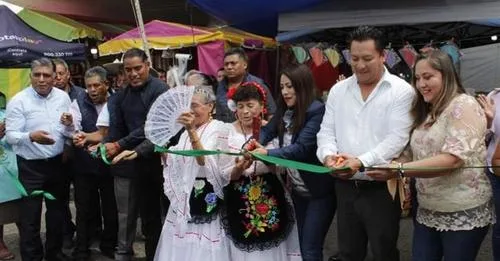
256 214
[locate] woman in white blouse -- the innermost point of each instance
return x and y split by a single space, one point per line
454 202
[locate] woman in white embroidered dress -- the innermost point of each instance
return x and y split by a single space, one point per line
454 202
257 214
192 229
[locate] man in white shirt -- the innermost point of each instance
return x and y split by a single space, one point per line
367 123
34 129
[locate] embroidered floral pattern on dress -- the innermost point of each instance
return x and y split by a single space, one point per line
211 200
261 209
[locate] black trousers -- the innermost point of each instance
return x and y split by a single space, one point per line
44 175
87 186
68 225
366 213
139 195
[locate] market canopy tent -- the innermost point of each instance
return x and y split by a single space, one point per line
58 26
118 11
210 42
63 28
480 67
21 43
257 16
338 14
161 36
166 35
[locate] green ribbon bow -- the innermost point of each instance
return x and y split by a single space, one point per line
35 193
102 151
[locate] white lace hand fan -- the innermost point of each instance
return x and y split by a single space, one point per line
161 124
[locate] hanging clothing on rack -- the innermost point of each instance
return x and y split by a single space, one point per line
300 54
409 55
454 52
391 58
333 56
347 55
317 56
325 76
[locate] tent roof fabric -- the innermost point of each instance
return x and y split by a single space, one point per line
385 12
165 35
109 30
257 16
58 26
117 11
21 43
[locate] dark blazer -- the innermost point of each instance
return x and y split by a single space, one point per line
303 148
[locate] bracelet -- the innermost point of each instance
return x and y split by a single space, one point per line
401 171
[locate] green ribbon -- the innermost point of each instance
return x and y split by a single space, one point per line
297 165
102 151
303 166
35 193
265 158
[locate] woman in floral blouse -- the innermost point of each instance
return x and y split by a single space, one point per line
455 207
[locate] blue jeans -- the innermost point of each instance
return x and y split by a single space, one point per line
495 240
314 217
432 245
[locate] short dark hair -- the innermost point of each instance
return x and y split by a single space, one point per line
220 69
246 93
364 33
135 52
97 71
121 69
238 51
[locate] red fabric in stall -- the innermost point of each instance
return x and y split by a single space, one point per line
325 76
258 65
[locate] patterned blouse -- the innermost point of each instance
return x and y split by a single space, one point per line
460 200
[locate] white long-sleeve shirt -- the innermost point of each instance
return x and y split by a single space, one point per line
74 109
28 112
375 130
